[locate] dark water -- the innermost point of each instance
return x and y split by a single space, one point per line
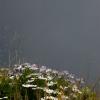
64 34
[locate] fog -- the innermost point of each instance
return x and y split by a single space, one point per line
62 34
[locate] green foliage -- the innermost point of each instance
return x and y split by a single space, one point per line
23 78
12 88
62 82
87 94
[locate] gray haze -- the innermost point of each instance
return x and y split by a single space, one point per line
64 34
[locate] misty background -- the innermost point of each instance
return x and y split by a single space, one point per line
62 34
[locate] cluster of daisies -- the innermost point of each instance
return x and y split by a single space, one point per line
34 82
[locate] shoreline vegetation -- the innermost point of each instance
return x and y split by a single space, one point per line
34 82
